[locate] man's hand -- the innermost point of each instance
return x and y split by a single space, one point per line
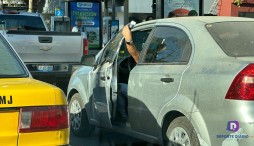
127 33
131 47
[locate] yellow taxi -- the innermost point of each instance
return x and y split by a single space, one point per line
32 112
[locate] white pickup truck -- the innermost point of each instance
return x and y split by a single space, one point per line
48 55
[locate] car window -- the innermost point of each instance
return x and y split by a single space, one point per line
139 39
10 66
236 39
14 22
168 45
111 48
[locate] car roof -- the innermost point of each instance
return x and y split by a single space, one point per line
196 19
211 19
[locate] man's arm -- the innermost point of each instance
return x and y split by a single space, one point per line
130 46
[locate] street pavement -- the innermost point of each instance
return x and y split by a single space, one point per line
102 137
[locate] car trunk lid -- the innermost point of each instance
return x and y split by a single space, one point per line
17 93
9 126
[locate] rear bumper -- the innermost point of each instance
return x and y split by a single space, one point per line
233 123
57 68
51 74
59 76
45 138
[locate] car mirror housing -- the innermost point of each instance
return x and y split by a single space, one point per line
88 60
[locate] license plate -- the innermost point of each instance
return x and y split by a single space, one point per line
45 68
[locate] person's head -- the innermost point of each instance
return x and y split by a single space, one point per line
78 22
134 19
149 18
171 14
193 13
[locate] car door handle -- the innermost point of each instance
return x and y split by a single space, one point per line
104 78
45 39
167 80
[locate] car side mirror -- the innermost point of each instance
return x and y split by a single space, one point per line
88 60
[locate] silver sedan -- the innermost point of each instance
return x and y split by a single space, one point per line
193 84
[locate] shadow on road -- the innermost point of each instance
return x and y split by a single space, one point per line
102 137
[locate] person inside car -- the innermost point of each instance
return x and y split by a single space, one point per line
129 43
123 87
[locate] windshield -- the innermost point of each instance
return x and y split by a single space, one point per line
19 22
10 65
235 38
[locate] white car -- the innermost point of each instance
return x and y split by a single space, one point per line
193 84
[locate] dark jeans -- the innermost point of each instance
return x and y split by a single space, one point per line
122 99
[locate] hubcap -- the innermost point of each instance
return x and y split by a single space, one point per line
179 136
75 115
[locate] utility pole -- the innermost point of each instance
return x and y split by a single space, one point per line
30 6
113 5
126 12
201 7
159 10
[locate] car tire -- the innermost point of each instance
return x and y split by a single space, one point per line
79 123
181 132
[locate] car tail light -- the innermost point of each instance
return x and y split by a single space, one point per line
10 12
35 119
242 87
85 46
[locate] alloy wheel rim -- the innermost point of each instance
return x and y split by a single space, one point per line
180 136
75 115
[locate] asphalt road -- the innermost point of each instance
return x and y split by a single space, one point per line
103 137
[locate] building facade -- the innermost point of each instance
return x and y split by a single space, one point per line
229 8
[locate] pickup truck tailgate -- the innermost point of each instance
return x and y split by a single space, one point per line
39 46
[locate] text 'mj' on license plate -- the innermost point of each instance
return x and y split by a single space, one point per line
45 68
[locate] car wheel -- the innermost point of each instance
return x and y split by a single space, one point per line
79 123
181 133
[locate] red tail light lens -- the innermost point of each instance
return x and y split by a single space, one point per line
85 46
36 119
10 12
242 87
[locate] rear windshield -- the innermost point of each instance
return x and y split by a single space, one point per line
235 38
10 65
19 22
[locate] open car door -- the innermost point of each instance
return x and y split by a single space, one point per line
105 82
